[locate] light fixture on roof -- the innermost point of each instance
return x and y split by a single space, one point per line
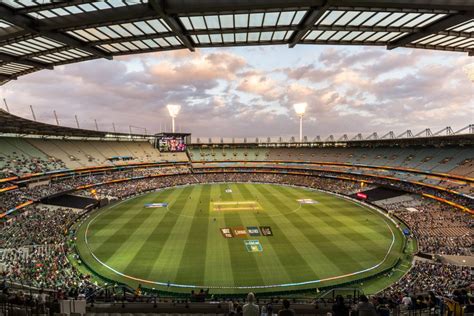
173 110
469 70
300 109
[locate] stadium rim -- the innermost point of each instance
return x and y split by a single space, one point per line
191 286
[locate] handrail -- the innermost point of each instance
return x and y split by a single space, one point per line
343 164
439 188
64 172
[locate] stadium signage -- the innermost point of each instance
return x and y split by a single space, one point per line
226 232
253 231
242 232
266 230
239 231
362 195
253 246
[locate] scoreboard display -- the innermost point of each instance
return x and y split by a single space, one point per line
171 143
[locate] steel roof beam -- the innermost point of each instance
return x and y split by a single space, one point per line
307 23
232 6
195 32
28 24
138 12
350 28
235 44
20 60
441 48
11 34
173 23
53 5
208 6
270 29
7 77
458 5
432 28
47 52
143 11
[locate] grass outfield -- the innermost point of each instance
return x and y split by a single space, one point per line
333 241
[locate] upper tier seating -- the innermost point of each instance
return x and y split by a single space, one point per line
229 154
443 159
17 156
76 153
21 155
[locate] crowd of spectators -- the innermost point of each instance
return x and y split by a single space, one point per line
424 276
10 199
13 198
121 190
37 225
21 164
124 189
34 243
328 184
42 266
33 247
438 227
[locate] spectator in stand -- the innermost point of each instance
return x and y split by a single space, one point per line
4 296
427 276
286 311
21 164
35 248
13 198
469 308
251 309
364 307
340 308
406 301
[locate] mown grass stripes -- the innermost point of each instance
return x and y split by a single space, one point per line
150 248
244 265
183 244
198 229
354 239
119 233
287 252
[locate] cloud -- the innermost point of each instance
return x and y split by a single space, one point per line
250 92
258 83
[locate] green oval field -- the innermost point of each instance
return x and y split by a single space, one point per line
232 237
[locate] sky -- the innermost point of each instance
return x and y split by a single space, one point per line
250 91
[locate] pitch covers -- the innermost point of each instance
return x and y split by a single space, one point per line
156 205
307 201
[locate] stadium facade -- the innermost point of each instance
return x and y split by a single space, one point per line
55 180
52 167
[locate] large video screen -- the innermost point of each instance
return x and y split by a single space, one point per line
171 143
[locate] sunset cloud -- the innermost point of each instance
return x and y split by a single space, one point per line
250 91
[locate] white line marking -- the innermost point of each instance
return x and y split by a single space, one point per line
249 287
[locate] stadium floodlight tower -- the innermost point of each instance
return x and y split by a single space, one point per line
300 109
173 110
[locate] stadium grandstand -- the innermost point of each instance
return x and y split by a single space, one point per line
108 223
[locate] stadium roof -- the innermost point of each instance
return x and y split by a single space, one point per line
12 124
41 34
